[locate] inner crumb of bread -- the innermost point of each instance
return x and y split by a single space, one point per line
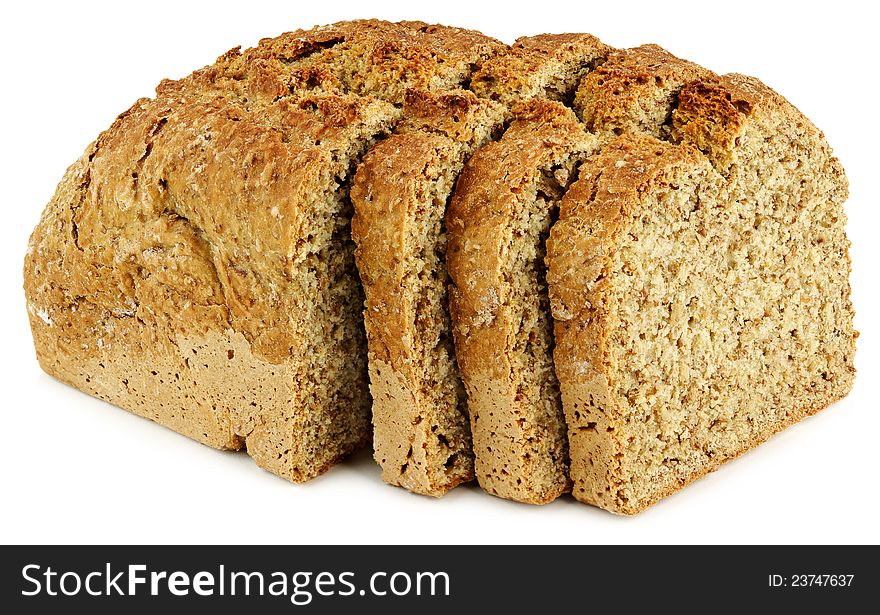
538 405
441 393
732 308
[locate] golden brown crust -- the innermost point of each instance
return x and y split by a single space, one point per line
713 112
634 90
542 66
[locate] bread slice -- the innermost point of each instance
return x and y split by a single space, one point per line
421 434
421 437
497 222
700 290
195 266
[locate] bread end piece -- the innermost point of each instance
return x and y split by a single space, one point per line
700 292
178 286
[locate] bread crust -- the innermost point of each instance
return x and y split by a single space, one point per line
543 66
634 90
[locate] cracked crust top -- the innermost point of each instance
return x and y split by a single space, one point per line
388 183
365 57
543 66
484 202
634 90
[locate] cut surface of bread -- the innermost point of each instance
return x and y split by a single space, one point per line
421 434
497 223
196 267
700 291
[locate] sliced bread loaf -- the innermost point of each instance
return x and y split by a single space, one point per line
497 223
700 291
196 266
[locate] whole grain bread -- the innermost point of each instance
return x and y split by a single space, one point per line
196 264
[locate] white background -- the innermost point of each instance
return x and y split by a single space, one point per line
75 469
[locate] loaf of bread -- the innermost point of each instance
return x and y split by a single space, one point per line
357 224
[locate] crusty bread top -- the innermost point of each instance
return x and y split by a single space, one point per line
454 113
634 90
542 66
713 112
365 57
